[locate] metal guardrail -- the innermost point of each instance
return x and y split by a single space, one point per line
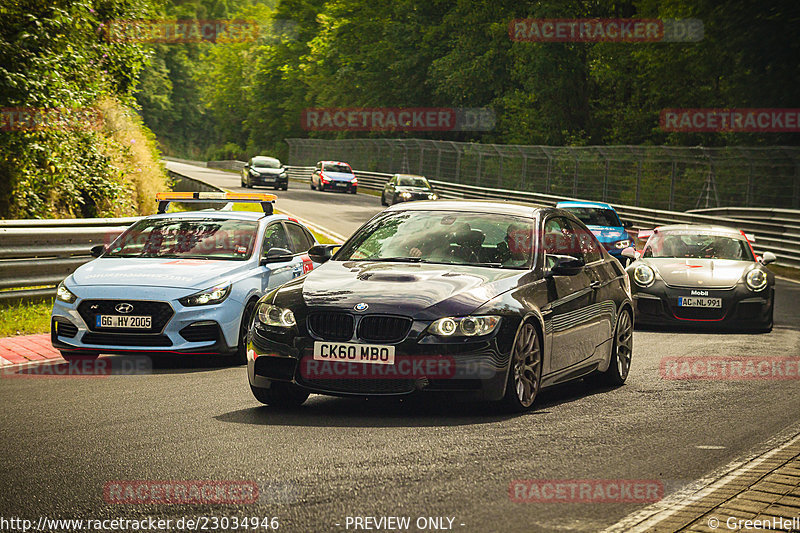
35 255
776 230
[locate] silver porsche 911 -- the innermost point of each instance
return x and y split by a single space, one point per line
693 275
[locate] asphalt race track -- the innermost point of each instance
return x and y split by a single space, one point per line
63 439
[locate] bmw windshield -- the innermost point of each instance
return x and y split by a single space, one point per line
592 216
201 238
443 237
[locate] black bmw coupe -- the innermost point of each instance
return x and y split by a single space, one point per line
489 301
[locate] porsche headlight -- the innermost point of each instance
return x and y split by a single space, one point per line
643 275
64 294
272 315
756 280
624 243
467 326
211 296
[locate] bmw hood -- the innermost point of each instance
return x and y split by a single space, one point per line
608 233
338 176
702 273
154 272
424 291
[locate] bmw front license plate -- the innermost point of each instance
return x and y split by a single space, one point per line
354 353
691 301
123 322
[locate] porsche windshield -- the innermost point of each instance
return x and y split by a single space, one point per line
703 246
204 238
491 240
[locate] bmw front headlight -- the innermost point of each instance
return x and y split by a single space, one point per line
466 326
253 172
433 196
644 275
272 315
756 280
64 294
211 296
624 243
405 195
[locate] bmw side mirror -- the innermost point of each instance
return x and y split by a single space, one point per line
100 249
566 265
277 255
627 224
767 258
319 253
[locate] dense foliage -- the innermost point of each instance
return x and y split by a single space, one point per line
54 58
217 101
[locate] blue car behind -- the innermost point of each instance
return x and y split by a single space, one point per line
604 222
178 283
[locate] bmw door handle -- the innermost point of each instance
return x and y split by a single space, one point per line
595 284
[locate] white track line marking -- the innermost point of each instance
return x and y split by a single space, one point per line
649 517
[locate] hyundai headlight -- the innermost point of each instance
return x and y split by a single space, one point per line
64 294
756 280
272 315
619 245
467 326
211 296
644 275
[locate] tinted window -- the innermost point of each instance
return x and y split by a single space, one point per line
301 239
266 162
445 238
587 244
592 216
693 245
202 238
275 237
338 168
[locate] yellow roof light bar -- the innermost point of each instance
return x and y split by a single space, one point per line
266 200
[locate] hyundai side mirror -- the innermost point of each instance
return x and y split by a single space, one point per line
320 253
100 249
277 255
767 258
566 265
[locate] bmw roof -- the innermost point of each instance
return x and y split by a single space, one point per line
578 203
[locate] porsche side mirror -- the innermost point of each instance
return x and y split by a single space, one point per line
630 252
566 265
767 258
277 255
319 253
100 249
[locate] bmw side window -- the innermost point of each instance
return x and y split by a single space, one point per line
275 237
301 241
587 243
559 238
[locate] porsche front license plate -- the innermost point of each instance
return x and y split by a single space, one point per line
354 353
123 322
712 303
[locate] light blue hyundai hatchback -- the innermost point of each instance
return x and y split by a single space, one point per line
180 283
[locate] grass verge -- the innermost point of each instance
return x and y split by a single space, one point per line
786 272
25 318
